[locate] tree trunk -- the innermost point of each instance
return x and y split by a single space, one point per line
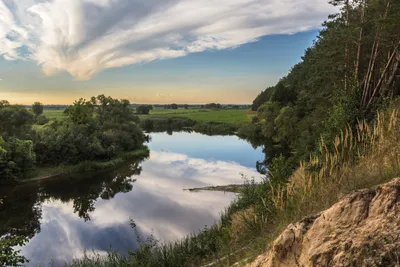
366 98
367 79
357 65
346 48
379 84
395 70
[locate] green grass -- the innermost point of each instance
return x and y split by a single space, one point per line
163 111
200 115
203 115
53 113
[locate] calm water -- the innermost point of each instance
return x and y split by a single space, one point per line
66 217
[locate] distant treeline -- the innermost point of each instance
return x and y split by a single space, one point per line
210 105
196 106
56 107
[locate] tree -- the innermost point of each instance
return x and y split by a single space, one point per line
263 97
352 69
4 103
213 105
98 129
144 109
15 121
37 108
17 158
174 106
81 112
186 106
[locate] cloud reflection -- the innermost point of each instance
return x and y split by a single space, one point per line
157 203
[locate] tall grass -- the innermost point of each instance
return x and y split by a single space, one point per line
364 158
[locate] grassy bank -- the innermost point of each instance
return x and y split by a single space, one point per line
365 157
203 115
206 121
47 172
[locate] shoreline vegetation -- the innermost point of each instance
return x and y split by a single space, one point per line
49 172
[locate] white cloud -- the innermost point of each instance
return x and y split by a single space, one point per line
83 37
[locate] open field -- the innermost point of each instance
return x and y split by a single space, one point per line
53 113
204 115
163 111
200 115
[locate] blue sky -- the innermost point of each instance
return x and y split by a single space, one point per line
189 52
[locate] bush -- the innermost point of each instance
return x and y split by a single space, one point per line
41 120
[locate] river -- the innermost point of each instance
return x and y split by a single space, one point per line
67 217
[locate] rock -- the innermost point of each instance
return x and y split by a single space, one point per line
363 229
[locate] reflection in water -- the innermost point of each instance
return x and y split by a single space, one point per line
85 191
66 217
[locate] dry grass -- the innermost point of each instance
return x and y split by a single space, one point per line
363 159
239 220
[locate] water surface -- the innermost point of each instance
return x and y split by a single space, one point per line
66 217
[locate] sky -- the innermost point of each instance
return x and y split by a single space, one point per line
151 51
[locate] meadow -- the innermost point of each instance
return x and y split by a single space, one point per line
53 113
199 115
203 115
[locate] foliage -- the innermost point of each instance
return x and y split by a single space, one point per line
213 105
37 108
15 121
98 129
144 109
81 112
262 97
17 159
8 255
171 106
350 72
41 120
4 103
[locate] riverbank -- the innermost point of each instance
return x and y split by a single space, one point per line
171 124
205 121
43 173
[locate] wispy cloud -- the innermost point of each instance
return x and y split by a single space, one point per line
83 37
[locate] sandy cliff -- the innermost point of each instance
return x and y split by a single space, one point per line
363 229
